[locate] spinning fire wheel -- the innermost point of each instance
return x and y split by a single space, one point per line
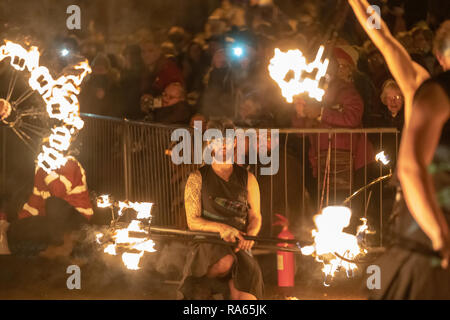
53 120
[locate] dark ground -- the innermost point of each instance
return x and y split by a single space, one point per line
45 278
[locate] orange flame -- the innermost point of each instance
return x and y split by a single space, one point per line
329 240
121 236
293 61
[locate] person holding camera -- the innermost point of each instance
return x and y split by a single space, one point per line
170 108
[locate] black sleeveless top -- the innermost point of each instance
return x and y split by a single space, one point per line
406 227
225 201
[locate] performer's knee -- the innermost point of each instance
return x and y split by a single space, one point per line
221 267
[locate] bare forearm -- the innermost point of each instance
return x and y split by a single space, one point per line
378 36
200 224
254 226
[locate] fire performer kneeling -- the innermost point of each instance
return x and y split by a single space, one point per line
224 198
59 204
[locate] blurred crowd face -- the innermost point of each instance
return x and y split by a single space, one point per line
376 62
249 108
345 70
172 94
393 100
195 52
421 43
150 53
198 117
219 59
99 69
89 50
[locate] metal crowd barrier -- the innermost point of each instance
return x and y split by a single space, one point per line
129 160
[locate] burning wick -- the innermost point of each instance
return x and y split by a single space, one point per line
382 157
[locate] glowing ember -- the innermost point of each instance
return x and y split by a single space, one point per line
382 157
110 249
5 109
303 77
98 236
131 260
59 96
331 243
104 201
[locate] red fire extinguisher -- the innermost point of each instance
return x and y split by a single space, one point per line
285 260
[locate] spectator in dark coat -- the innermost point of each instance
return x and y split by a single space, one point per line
174 109
100 92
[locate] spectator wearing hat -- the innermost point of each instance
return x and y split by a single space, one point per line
347 60
100 92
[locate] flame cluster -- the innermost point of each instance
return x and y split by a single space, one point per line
133 247
330 241
59 95
293 62
382 158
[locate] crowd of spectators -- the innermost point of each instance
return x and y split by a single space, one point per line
222 71
177 76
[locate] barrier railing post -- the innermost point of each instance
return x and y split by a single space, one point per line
125 142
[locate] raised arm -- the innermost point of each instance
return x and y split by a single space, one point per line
408 74
419 142
193 206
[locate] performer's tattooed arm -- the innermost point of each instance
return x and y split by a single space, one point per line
408 74
419 142
193 205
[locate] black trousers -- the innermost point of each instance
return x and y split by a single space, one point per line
31 235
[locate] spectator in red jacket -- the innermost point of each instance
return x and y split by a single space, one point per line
160 70
350 153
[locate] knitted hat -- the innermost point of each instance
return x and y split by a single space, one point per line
346 53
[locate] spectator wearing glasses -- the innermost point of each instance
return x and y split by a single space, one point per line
174 108
392 98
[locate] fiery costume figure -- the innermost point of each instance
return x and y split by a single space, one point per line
224 198
59 204
67 183
410 268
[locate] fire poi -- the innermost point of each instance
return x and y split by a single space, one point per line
306 76
59 95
